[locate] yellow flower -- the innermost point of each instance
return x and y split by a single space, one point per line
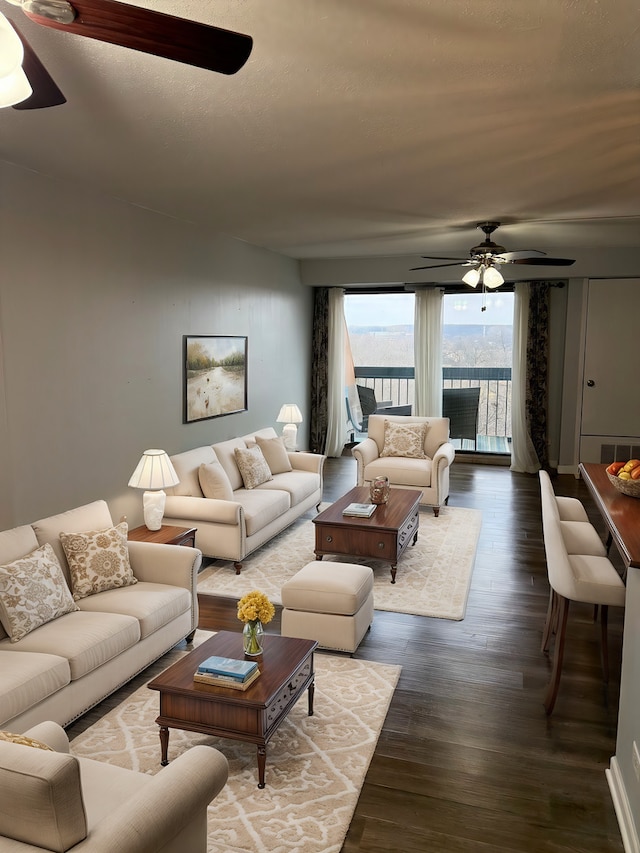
255 605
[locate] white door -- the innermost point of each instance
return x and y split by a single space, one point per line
610 396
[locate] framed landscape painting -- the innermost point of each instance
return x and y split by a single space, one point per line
215 376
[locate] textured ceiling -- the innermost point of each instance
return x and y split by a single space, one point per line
361 128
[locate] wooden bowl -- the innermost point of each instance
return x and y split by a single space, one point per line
627 487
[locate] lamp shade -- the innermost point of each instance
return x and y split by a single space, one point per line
154 471
289 414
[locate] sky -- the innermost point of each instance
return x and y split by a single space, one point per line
391 309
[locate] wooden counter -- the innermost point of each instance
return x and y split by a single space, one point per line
620 512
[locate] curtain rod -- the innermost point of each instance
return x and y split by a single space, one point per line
452 287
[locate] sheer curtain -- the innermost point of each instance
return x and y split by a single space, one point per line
336 408
523 454
427 345
351 391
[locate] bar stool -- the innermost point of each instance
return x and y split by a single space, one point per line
590 578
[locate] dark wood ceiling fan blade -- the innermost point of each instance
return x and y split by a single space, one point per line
45 90
437 266
441 258
156 33
546 262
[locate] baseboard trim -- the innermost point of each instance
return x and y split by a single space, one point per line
630 840
503 459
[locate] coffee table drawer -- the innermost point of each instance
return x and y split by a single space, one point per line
289 694
359 543
408 531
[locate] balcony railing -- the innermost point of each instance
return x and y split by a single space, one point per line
494 409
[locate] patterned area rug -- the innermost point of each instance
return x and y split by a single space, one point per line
433 576
315 765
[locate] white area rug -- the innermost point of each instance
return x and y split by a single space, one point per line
433 577
315 765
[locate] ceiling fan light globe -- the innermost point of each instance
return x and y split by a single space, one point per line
493 278
11 49
14 88
472 277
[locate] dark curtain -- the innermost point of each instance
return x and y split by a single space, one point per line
537 369
319 371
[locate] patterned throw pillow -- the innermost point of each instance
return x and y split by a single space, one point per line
214 481
33 591
404 440
252 466
275 453
24 740
98 560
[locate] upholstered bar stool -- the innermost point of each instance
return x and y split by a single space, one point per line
578 570
329 602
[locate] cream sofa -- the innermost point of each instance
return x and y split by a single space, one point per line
53 800
62 668
430 474
232 527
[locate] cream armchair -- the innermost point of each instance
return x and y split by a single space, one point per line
55 801
430 474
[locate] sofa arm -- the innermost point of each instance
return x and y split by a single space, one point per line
177 565
305 461
50 733
365 452
173 798
203 509
444 455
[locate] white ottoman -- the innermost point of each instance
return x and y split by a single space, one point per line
329 602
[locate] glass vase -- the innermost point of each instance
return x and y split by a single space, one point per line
252 637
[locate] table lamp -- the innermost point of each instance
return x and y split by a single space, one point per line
154 473
290 415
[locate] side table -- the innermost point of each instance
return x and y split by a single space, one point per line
167 535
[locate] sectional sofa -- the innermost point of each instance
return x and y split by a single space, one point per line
82 611
240 493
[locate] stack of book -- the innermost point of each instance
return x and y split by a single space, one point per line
359 510
227 672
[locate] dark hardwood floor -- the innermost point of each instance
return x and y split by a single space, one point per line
467 759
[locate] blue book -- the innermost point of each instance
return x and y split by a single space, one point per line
228 667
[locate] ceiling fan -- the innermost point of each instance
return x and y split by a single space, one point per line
146 30
487 257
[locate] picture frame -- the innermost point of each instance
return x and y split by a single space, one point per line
215 376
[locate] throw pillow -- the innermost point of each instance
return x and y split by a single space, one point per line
404 440
275 453
33 591
24 740
214 481
252 466
98 560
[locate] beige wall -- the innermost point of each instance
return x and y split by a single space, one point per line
95 297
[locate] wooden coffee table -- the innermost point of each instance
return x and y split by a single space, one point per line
252 715
384 536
